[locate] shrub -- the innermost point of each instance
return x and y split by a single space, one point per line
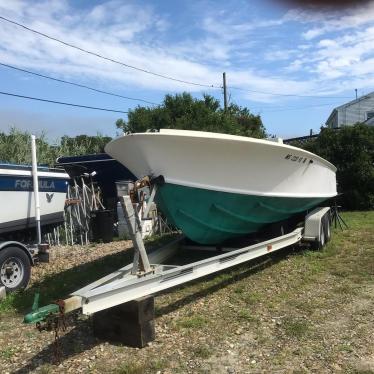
351 150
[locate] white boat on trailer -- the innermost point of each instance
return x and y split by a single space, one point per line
183 160
218 186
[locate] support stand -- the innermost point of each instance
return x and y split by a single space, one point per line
131 323
336 218
141 264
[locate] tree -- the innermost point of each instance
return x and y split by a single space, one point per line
182 111
82 145
351 150
15 147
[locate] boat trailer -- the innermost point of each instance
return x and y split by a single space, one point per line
148 274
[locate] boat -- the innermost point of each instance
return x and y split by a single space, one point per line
218 186
102 168
17 196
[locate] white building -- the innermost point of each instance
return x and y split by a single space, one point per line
359 110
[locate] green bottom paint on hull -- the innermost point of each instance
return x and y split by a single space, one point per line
210 217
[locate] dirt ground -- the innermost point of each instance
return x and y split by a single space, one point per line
298 311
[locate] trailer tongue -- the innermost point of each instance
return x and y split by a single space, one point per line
42 314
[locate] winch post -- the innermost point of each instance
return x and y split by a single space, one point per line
150 201
141 263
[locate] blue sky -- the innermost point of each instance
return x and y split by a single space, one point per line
262 47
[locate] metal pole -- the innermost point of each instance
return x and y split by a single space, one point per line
141 261
36 188
224 92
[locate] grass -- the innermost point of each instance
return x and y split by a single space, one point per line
345 347
252 298
133 367
315 303
246 315
46 369
203 351
130 368
8 353
193 322
61 284
296 328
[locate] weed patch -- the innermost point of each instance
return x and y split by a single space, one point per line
296 328
247 315
193 322
202 351
130 368
8 353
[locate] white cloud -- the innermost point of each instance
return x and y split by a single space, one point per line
280 54
337 21
258 53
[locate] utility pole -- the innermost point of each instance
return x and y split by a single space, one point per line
224 92
356 92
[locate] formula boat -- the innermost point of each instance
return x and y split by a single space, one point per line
217 186
17 210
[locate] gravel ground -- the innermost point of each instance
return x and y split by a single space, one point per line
295 312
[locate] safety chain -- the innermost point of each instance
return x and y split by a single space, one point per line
59 323
55 323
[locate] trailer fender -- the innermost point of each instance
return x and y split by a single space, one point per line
12 243
15 265
317 227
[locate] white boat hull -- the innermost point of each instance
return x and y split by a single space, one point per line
17 198
226 163
218 187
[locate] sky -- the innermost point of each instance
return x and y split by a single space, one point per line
288 64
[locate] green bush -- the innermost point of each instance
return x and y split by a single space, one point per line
15 147
351 150
182 111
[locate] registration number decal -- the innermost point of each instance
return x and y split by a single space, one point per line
296 158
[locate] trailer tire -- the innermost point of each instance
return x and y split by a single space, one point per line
327 227
320 243
15 268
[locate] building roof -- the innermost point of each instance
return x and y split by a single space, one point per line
355 101
364 97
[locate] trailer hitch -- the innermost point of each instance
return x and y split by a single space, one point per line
38 315
49 317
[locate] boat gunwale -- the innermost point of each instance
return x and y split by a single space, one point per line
28 173
226 137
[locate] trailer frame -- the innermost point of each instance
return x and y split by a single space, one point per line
148 274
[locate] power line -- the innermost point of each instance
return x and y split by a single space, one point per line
107 58
76 84
299 108
292 95
62 103
161 75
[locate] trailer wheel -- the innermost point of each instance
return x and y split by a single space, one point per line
15 268
320 243
327 227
